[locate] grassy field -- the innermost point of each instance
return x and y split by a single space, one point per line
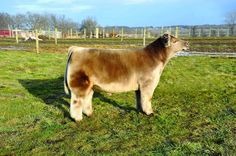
207 44
194 104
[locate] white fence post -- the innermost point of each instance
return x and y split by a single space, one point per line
37 41
85 33
113 32
49 33
96 32
176 32
103 33
71 33
55 35
144 36
210 32
17 40
122 34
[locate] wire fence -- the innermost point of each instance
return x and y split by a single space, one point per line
126 32
117 32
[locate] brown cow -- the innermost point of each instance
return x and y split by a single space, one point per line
117 71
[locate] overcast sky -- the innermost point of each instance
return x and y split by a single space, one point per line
129 12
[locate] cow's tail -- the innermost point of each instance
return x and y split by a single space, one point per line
66 86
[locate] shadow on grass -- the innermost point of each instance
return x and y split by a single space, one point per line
113 102
51 91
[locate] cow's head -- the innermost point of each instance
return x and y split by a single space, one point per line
174 44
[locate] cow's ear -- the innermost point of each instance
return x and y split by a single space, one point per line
166 40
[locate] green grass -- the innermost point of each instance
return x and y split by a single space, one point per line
207 44
194 104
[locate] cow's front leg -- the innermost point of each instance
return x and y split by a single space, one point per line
76 107
146 91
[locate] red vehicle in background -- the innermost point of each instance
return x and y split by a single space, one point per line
6 33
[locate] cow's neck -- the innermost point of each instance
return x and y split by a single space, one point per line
157 52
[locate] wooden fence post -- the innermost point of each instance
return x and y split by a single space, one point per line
103 33
71 33
176 32
199 32
85 33
49 33
113 32
210 32
17 40
37 41
96 32
122 34
144 36
55 35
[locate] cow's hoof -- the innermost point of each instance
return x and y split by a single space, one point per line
78 119
149 113
89 114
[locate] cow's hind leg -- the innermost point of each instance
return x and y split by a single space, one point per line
76 107
87 104
81 87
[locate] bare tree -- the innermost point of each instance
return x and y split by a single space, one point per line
5 20
37 21
33 21
53 21
89 24
230 19
19 21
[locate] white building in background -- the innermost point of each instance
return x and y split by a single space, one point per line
31 33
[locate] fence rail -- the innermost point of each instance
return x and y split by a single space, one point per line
120 32
124 32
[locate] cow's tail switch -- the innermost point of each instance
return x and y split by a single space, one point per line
66 86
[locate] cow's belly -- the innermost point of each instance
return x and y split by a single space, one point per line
116 87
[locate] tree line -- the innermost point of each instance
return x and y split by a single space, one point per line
46 21
32 21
